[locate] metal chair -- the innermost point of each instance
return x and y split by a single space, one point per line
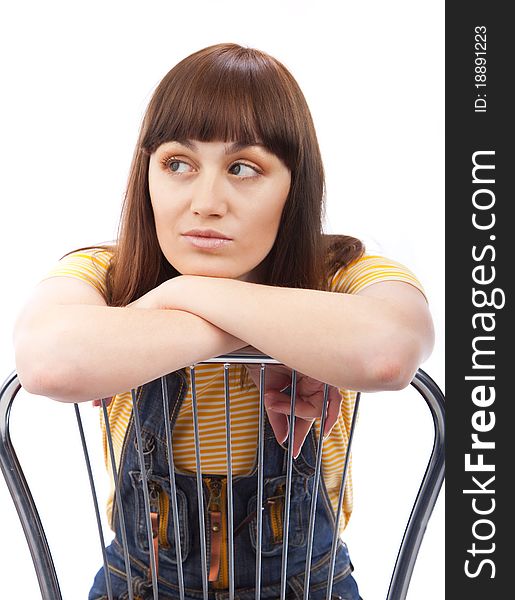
408 551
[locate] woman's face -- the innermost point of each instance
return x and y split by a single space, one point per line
217 206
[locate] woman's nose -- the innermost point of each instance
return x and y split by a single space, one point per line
208 196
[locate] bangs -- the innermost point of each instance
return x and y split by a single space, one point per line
230 94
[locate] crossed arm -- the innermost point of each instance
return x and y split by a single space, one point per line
72 347
369 341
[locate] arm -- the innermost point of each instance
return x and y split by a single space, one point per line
370 341
71 347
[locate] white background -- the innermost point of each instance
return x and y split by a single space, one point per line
76 79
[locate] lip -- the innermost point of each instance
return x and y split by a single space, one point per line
206 239
206 233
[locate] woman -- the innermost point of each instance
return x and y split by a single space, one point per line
221 247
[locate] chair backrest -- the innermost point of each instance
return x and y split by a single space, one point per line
408 551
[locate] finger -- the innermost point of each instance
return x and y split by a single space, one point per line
279 425
281 403
274 378
99 401
302 428
307 386
334 403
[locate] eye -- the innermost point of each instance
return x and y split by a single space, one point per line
175 165
243 170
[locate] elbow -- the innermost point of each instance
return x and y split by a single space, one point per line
32 380
394 369
397 361
39 380
393 374
39 374
44 365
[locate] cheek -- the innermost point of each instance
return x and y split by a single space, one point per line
265 227
272 224
160 219
276 210
165 212
160 195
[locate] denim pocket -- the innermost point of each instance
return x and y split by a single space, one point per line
159 492
273 514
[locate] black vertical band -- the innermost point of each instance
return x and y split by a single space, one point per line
480 242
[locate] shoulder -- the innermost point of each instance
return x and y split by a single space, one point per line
89 265
370 269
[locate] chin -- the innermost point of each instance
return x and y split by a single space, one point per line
219 273
203 268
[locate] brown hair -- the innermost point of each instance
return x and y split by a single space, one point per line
230 93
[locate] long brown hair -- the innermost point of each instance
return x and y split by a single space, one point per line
230 93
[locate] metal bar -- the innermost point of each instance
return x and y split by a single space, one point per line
428 491
408 551
259 495
173 488
200 494
316 482
107 574
146 496
119 505
289 465
22 498
230 506
245 358
336 533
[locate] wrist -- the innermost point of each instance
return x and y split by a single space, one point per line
189 292
154 299
173 292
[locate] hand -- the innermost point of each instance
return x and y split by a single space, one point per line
309 403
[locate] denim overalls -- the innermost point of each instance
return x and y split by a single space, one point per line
149 401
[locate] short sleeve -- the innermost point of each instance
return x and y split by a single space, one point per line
370 269
89 265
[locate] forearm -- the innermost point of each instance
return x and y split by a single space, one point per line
81 352
357 342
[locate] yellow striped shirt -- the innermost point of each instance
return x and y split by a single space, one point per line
91 266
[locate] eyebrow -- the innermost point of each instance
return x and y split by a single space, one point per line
233 148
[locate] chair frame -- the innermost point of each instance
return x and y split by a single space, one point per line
408 551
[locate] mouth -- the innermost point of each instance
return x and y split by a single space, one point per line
206 233
207 239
